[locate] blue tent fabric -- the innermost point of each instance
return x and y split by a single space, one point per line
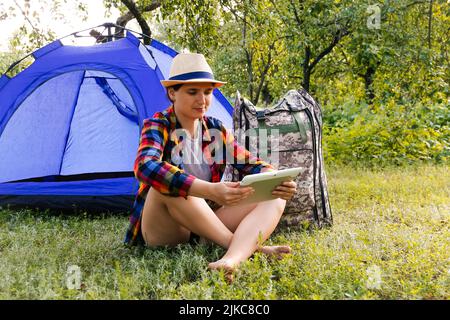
105 187
74 116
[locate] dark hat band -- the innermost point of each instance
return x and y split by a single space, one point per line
193 75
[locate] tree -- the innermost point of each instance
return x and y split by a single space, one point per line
134 10
389 45
195 26
249 48
31 34
313 29
264 47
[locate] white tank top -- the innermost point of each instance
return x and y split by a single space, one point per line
193 161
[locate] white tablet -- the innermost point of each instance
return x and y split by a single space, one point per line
265 182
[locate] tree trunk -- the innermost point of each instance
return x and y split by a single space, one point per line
250 74
430 17
368 83
266 96
264 74
306 69
248 57
137 13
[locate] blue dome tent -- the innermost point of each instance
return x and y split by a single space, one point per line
70 123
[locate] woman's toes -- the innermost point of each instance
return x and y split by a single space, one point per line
276 251
284 249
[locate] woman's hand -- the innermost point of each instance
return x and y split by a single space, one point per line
229 193
285 190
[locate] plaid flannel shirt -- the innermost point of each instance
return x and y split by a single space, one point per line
154 166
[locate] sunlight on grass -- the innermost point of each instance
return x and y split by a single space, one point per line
390 240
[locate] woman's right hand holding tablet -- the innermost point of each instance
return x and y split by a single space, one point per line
229 193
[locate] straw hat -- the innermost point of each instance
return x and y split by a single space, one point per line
190 68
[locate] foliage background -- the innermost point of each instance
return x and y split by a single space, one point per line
380 69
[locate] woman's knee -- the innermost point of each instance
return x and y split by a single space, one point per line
168 200
276 206
156 194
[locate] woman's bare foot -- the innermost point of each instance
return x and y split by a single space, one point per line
227 266
275 251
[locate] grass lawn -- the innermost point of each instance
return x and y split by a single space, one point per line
390 240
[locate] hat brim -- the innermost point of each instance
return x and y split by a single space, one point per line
169 83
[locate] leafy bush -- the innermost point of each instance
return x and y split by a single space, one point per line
387 134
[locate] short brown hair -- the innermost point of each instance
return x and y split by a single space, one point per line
175 87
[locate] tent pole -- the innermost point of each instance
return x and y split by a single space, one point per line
75 34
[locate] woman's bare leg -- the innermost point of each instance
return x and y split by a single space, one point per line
157 226
250 233
168 220
233 216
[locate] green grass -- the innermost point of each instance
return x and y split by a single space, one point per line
390 240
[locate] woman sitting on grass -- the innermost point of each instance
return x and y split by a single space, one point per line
180 200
